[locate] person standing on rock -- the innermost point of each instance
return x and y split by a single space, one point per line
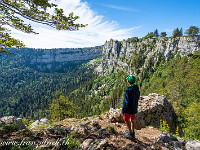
130 105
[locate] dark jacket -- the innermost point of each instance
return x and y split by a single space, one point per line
131 97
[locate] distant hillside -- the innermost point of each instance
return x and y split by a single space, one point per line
30 77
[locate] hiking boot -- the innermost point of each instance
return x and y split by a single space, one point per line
127 134
133 135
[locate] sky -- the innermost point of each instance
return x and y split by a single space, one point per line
113 19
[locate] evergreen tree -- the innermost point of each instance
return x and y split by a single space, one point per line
163 34
176 32
156 34
149 35
180 32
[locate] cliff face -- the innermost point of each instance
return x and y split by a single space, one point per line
117 54
55 59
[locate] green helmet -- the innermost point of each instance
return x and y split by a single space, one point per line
131 78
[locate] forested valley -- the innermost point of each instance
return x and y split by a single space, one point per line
28 93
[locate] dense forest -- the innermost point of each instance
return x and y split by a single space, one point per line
26 92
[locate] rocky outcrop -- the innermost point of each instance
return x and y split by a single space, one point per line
9 120
192 145
115 115
152 109
40 122
170 142
62 136
117 55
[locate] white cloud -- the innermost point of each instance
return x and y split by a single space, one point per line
122 8
96 33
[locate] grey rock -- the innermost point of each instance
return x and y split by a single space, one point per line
40 122
102 143
91 144
13 120
1 122
44 121
9 119
78 129
166 138
86 132
86 144
103 133
182 141
176 145
35 124
192 145
94 129
154 108
115 115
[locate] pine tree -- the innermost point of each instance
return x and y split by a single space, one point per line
175 32
163 34
156 34
149 35
180 32
61 107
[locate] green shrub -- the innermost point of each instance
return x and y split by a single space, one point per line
72 142
111 129
9 128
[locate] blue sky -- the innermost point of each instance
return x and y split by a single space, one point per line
164 15
116 19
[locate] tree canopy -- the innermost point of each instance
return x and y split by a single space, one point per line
193 30
11 12
177 32
149 35
163 34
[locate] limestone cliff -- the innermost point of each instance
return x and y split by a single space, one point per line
118 55
55 59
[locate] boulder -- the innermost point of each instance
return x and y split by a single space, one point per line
8 120
151 110
192 145
44 121
166 138
86 143
91 144
115 115
40 122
